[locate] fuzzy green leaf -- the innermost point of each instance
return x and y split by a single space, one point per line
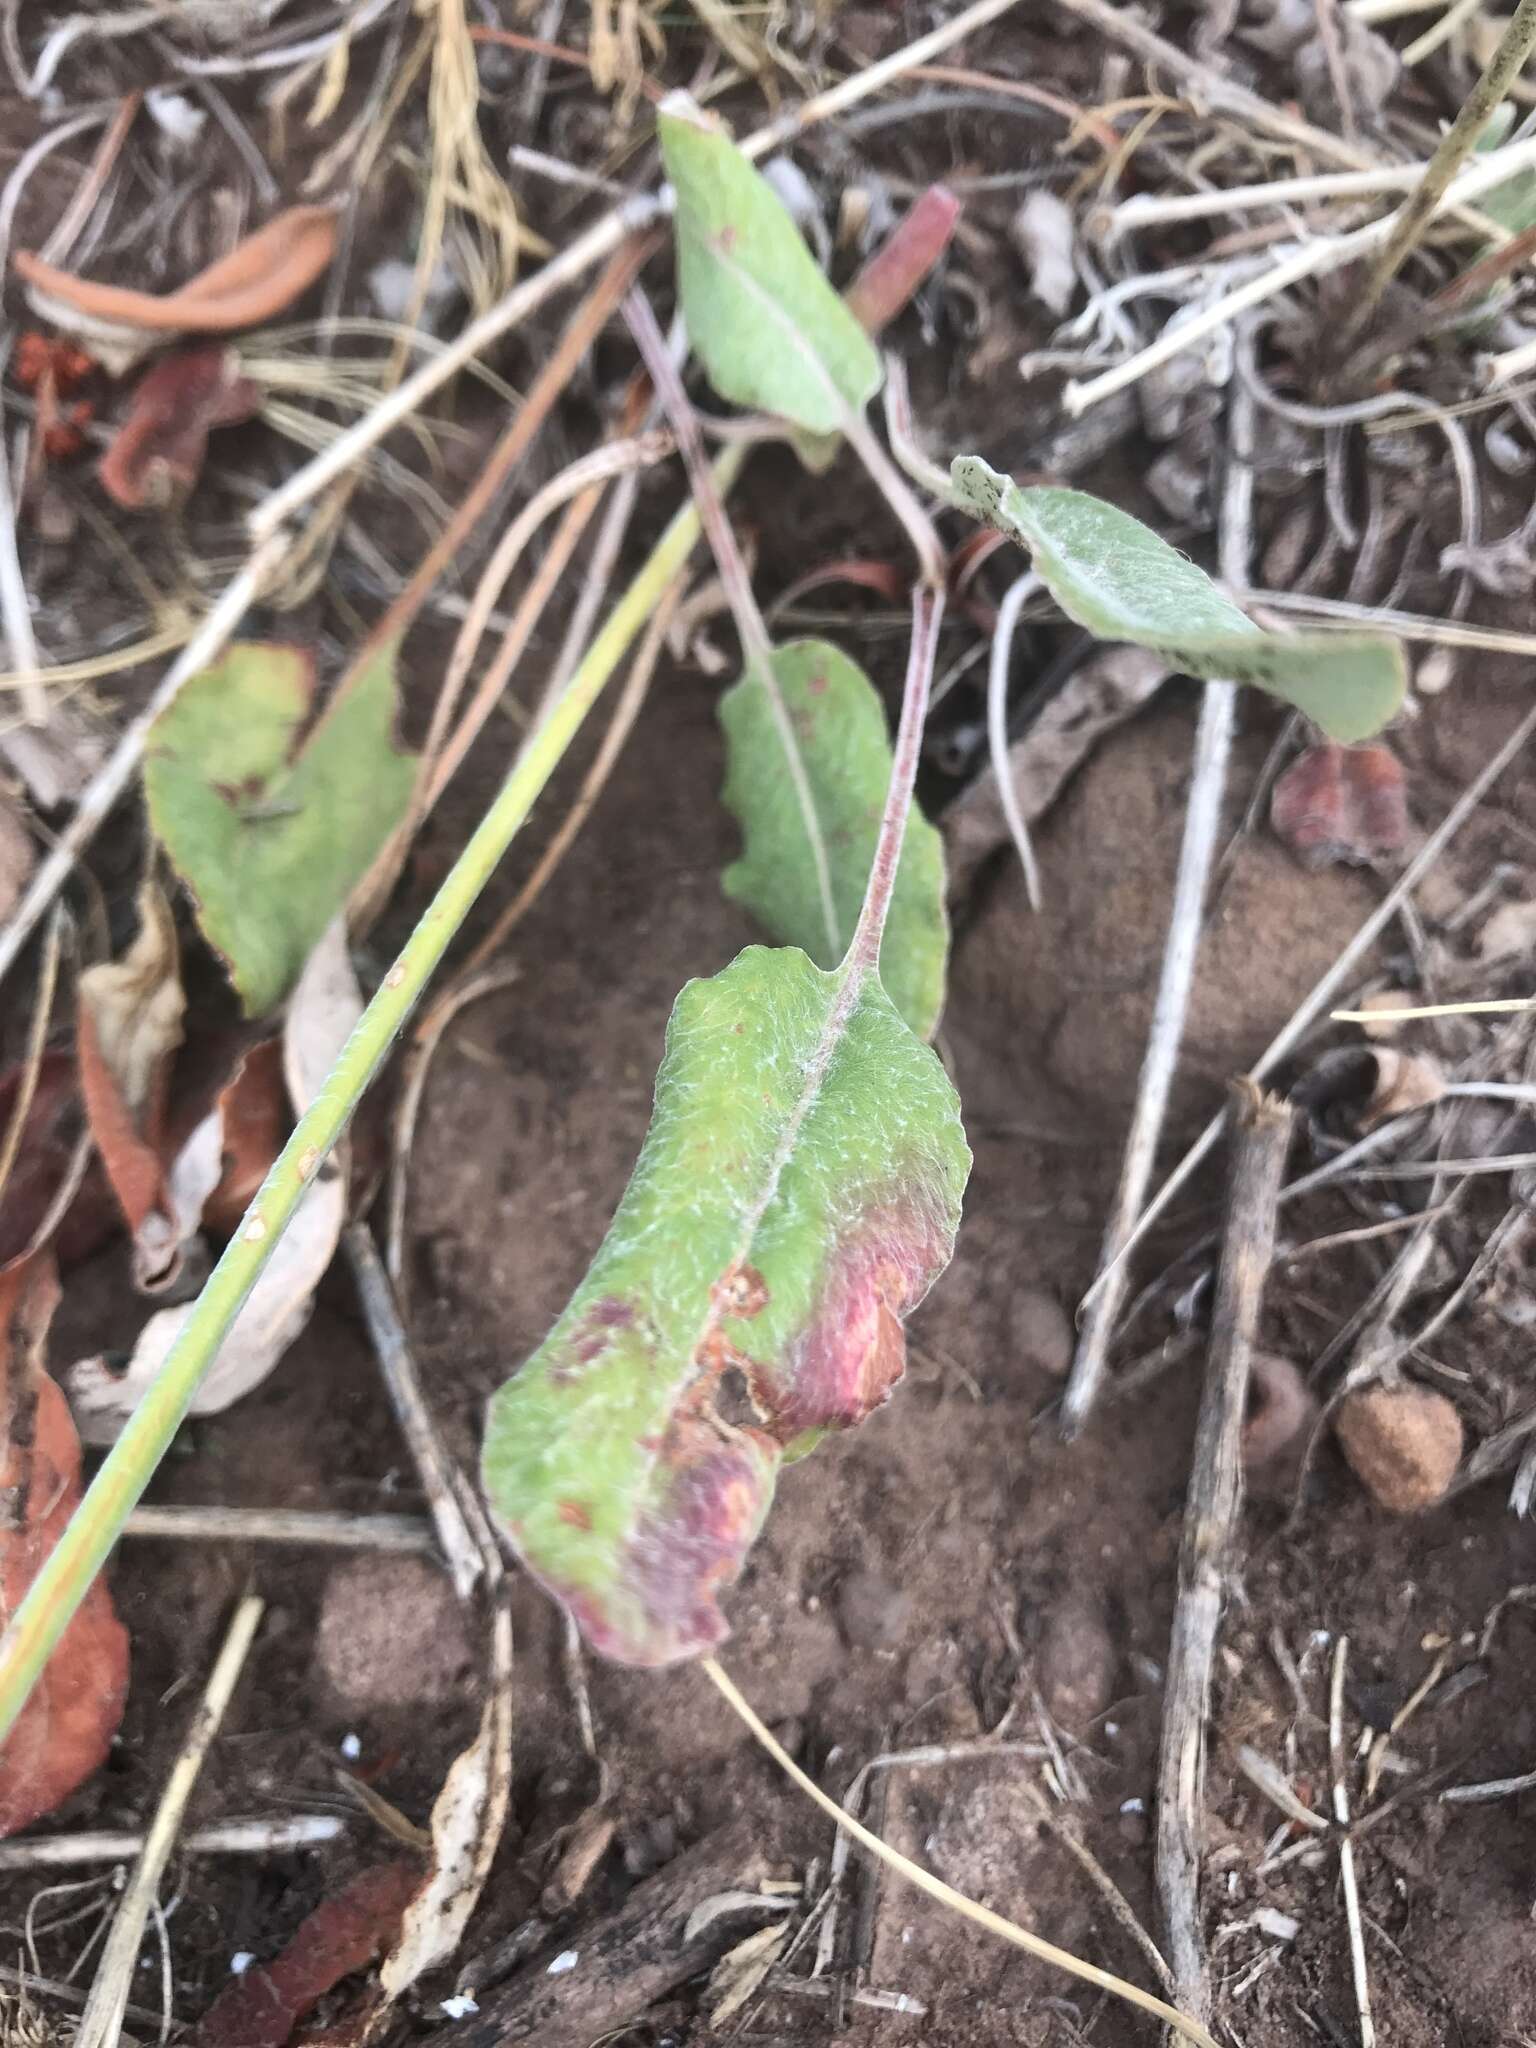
769 329
270 834
808 760
1116 577
797 1194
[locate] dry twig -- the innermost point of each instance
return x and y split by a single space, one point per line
1210 1521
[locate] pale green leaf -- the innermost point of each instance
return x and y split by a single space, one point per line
1116 577
808 761
797 1193
270 834
770 331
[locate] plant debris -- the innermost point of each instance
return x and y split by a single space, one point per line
1338 803
1403 1443
66 1728
157 452
259 278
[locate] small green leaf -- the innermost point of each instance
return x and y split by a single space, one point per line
808 759
1116 577
769 329
270 840
797 1194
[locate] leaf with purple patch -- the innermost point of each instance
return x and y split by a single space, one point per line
797 1194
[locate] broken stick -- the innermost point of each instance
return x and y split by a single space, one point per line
1210 1519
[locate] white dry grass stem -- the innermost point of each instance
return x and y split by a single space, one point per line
315 1528
15 610
224 1838
102 2021
1316 1001
1338 612
463 1547
1015 598
1346 1846
1311 259
925 1881
1197 853
1154 209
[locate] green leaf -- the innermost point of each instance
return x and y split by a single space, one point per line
797 1194
270 834
769 329
808 760
1116 577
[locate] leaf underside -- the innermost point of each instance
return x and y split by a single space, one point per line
810 822
796 1195
1116 577
268 833
770 331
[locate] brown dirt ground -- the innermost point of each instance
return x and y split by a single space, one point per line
921 1580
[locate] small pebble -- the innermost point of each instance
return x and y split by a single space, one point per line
240 1962
459 2007
1403 1443
872 1611
567 1959
1042 1331
1077 1664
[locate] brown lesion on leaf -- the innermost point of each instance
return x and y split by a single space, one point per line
574 1515
740 1291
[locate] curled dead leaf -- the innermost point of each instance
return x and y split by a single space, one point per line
66 1728
1337 803
127 1031
157 453
259 278
467 1821
321 1012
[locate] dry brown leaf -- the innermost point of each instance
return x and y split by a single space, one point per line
157 453
259 278
321 1012
262 2008
127 1032
67 1726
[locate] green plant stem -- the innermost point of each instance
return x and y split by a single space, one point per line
97 1523
1505 65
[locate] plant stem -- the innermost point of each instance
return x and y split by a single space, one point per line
735 578
1503 68
83 1548
927 611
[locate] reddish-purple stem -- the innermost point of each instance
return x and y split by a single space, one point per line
902 263
684 421
927 612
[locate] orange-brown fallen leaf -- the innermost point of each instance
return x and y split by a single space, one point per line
67 1726
157 453
262 2008
257 280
